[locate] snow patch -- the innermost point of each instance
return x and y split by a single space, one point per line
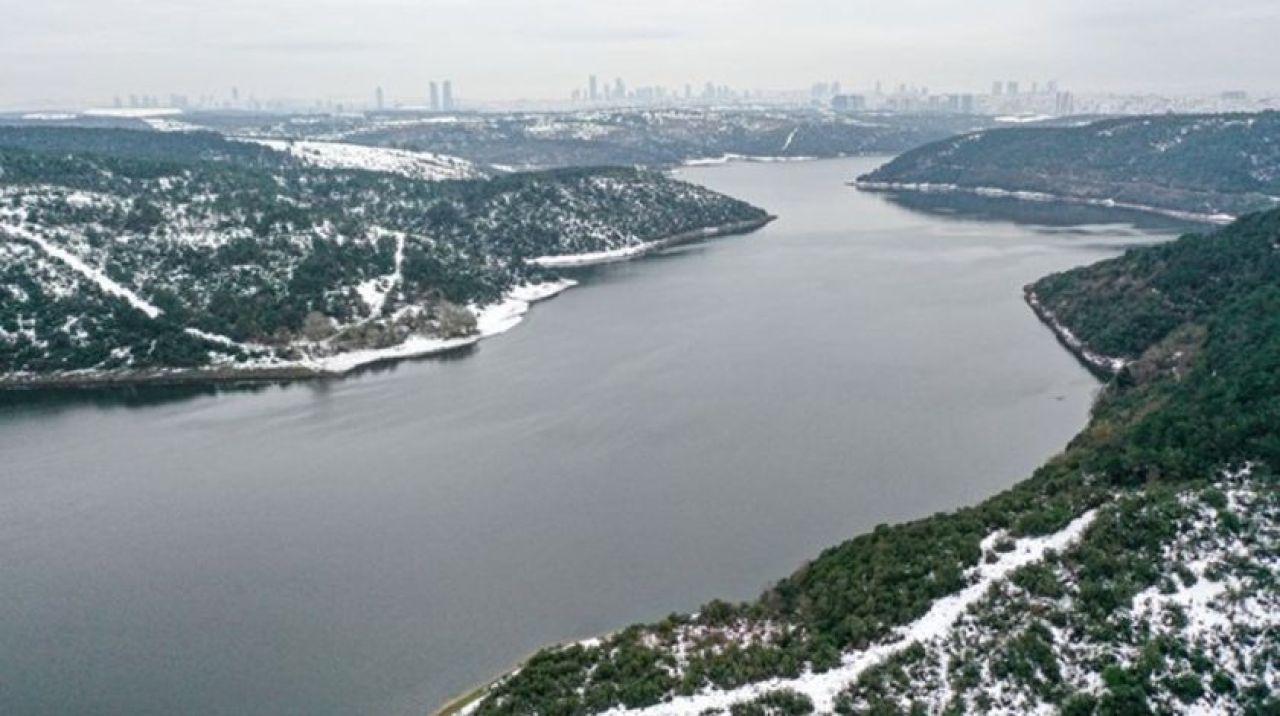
339 155
490 321
101 279
824 687
640 249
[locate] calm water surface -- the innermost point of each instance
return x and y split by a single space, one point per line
683 427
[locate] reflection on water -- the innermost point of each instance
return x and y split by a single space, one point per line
16 401
968 207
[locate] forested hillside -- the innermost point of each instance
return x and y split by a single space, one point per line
648 137
133 250
1135 573
1207 165
1123 306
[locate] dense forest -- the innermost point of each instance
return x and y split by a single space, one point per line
1201 164
197 249
1178 464
1123 306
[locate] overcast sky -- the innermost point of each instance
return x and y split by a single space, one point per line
85 51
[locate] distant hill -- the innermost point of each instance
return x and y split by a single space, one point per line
1211 166
612 137
123 252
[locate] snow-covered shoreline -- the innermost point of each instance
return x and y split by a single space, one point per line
1040 197
490 321
1107 365
823 688
750 158
630 252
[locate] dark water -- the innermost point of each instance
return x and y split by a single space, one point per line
684 427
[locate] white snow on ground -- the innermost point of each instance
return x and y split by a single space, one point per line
133 113
374 291
1023 118
1097 360
1231 612
339 155
164 124
594 257
490 321
48 116
101 279
636 250
1214 598
935 624
223 340
727 158
790 138
1037 196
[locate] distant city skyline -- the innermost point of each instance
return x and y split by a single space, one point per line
1014 98
76 52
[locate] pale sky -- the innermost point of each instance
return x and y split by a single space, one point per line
77 52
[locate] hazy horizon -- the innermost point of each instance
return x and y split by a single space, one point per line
84 52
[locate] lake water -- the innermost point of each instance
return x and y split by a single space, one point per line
688 426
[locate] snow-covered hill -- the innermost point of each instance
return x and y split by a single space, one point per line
143 252
339 155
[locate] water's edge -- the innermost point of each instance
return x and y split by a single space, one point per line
1039 197
230 375
1102 367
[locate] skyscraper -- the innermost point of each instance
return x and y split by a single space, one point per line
1064 104
1011 87
377 97
997 88
435 96
446 96
593 91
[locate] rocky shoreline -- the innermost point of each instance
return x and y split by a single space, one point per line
1105 367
